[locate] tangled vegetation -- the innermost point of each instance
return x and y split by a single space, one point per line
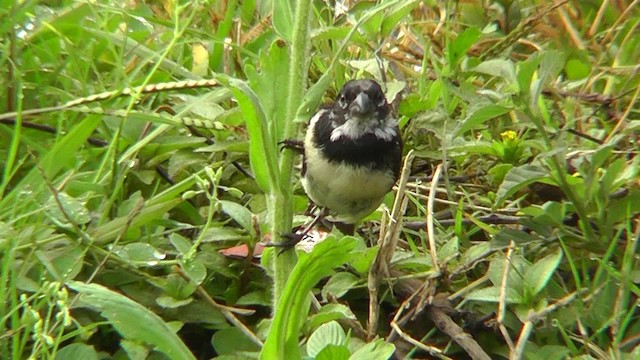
142 169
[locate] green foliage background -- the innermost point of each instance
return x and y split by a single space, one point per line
114 212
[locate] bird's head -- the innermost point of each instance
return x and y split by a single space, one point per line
361 100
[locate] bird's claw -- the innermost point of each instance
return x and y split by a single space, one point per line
292 144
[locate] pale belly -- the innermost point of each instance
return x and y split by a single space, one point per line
349 192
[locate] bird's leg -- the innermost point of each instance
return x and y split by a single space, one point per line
291 239
292 144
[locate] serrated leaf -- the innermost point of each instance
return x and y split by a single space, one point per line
132 320
271 85
537 276
330 333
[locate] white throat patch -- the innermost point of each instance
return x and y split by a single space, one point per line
353 129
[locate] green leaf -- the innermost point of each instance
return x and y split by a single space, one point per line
132 320
231 341
77 351
328 313
63 263
180 243
134 350
537 276
363 263
375 350
152 211
577 68
312 98
393 16
239 213
525 71
294 303
500 68
169 302
72 207
140 253
263 146
339 284
458 48
60 156
549 352
194 269
492 294
479 116
517 178
551 63
218 233
334 352
270 85
283 15
330 333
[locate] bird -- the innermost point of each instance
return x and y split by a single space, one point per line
352 152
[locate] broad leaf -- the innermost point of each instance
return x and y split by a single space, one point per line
262 150
537 276
330 333
294 303
377 349
517 178
480 116
132 320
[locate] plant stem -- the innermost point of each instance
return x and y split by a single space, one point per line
561 170
282 197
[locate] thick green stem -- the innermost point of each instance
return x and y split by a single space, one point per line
281 199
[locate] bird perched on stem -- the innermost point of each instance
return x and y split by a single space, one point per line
352 152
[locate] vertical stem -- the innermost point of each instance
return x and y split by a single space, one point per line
560 168
281 199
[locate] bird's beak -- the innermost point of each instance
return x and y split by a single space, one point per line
361 106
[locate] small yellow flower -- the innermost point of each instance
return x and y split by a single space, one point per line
509 135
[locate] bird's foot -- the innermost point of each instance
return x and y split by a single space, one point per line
292 144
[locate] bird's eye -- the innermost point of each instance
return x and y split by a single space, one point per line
342 101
